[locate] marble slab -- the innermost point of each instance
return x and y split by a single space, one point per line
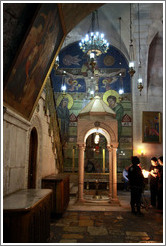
24 199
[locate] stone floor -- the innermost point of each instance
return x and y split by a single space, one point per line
102 223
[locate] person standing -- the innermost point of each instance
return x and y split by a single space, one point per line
160 183
153 171
136 182
125 178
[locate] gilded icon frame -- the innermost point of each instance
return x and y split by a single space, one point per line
151 127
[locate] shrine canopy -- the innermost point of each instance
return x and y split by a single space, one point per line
97 107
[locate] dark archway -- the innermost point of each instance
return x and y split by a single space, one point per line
32 159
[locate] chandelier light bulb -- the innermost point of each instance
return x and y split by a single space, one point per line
92 55
63 87
131 64
140 80
140 85
56 65
57 59
121 91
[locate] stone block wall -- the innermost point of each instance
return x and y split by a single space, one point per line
16 137
151 57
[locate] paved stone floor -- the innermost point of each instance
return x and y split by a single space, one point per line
114 224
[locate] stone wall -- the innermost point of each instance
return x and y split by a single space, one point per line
151 99
16 137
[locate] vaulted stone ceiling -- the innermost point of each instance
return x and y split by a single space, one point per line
109 14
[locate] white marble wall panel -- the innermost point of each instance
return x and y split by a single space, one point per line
16 179
14 151
16 138
21 137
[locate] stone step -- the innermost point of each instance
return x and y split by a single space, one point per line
74 191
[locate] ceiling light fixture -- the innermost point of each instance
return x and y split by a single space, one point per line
131 50
63 87
97 138
121 90
94 41
139 85
56 65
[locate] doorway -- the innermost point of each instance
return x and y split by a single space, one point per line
96 172
33 146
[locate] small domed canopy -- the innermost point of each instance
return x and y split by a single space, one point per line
97 116
97 106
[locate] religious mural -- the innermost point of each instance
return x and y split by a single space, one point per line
64 103
34 60
111 98
110 75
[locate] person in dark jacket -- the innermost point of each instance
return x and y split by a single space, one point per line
160 183
136 181
153 171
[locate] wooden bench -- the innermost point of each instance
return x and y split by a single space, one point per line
60 185
26 216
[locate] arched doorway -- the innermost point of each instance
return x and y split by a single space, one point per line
96 168
33 146
112 147
96 154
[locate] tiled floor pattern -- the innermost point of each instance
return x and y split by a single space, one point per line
94 225
107 227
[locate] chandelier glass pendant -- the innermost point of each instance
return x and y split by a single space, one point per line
94 41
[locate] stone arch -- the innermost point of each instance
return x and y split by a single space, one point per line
155 56
36 123
99 130
109 131
153 30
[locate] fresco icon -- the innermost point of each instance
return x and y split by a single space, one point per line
64 103
111 98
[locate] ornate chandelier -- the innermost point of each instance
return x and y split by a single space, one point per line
94 41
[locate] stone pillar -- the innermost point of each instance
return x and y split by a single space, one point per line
81 173
114 172
110 173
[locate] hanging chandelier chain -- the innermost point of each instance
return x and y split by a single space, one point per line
131 48
140 85
131 39
120 37
97 20
120 31
139 35
93 21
